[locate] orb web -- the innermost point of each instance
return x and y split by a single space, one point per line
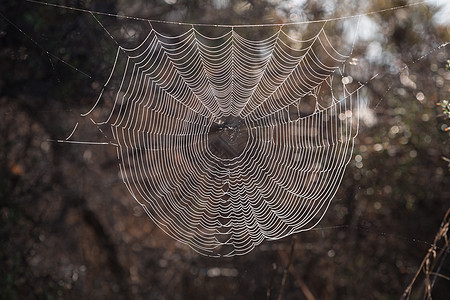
231 136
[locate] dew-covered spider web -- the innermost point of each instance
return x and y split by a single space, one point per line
231 135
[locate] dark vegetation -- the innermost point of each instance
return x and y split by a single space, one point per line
70 230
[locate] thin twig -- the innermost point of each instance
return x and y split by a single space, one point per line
306 291
440 275
283 281
269 290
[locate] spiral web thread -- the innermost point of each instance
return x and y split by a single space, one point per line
226 140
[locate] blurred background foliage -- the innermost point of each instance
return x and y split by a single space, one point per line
69 229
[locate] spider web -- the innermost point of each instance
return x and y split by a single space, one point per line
228 136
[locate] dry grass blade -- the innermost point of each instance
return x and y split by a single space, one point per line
433 261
